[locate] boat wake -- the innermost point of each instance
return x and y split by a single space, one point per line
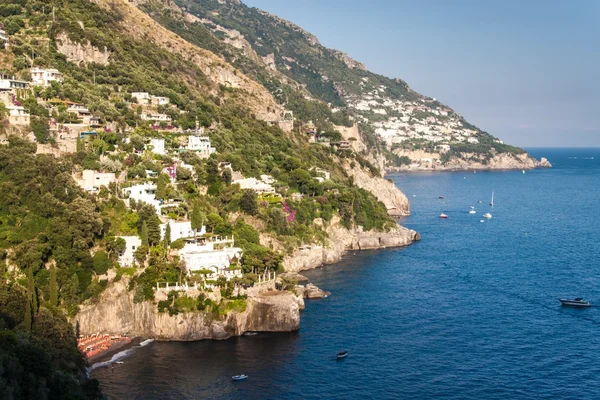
119 356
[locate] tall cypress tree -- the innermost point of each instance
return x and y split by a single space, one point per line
167 238
144 233
29 305
53 286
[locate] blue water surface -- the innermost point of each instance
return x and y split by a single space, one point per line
469 312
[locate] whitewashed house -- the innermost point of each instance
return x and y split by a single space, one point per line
127 257
17 115
158 146
201 145
44 77
180 230
215 255
92 180
255 184
145 192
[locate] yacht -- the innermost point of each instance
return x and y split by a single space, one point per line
577 302
443 216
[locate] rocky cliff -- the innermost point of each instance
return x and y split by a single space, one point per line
342 240
116 313
431 161
395 201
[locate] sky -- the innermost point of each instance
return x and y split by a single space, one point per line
525 71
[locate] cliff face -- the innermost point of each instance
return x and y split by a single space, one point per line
116 313
395 201
468 161
342 240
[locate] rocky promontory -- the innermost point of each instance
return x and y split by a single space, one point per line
117 313
341 240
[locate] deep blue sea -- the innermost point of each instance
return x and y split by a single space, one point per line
469 312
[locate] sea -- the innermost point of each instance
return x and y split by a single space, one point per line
469 312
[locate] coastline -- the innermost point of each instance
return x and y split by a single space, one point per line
113 350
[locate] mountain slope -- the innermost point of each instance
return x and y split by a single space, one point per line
393 119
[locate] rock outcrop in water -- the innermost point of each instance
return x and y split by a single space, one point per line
116 313
341 240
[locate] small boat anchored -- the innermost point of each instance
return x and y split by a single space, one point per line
487 215
443 216
472 211
239 377
342 354
577 302
492 202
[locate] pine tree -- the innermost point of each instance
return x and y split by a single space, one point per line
53 286
145 233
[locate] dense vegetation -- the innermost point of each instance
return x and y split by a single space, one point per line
59 244
47 227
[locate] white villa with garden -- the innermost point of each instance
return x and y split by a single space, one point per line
215 255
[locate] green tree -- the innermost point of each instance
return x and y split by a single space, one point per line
248 202
101 262
167 238
197 217
145 239
53 289
3 111
29 309
162 186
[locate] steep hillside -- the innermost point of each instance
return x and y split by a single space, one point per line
132 157
394 120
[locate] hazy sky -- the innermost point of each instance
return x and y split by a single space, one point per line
525 71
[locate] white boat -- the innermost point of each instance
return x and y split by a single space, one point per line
492 202
472 210
578 302
487 215
443 216
481 220
523 171
239 377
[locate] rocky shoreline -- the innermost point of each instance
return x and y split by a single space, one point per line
470 162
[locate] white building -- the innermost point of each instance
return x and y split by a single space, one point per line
215 255
201 145
180 230
321 173
145 192
10 83
43 77
147 99
18 116
3 35
92 180
155 117
127 257
255 184
158 146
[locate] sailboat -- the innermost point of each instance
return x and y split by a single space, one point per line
492 202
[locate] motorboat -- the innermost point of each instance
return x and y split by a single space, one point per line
441 197
472 211
250 333
119 362
443 216
342 354
239 377
487 215
577 302
481 220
